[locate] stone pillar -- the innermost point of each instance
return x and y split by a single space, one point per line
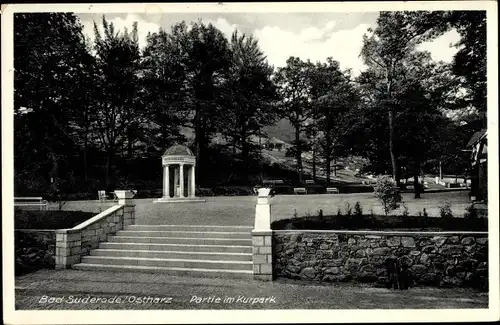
181 179
192 181
262 255
262 238
166 182
128 214
68 248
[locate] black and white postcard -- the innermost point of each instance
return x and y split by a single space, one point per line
250 162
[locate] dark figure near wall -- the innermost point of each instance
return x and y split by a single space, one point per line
398 273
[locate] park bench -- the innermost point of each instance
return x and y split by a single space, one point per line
332 190
309 181
273 181
299 190
31 202
103 197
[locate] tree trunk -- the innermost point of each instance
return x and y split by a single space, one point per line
394 163
244 145
129 144
85 166
314 164
109 169
197 139
335 167
298 154
328 166
417 187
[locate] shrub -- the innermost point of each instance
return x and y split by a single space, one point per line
471 213
358 211
387 193
339 212
425 213
371 212
445 211
348 210
405 213
320 214
295 215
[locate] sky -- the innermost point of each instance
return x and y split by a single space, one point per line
313 36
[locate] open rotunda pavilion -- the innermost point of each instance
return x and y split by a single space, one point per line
179 182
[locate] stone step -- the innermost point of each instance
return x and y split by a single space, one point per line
176 271
176 247
203 228
169 262
182 240
184 234
173 254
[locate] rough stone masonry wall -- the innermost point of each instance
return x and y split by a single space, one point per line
436 259
73 243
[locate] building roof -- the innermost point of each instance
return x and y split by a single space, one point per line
476 137
178 150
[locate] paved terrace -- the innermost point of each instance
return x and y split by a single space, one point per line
239 210
288 294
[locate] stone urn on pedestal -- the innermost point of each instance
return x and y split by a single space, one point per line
125 195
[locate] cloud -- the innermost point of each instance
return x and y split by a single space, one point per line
441 48
143 27
315 44
224 26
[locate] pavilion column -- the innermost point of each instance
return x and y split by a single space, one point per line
181 179
192 181
166 182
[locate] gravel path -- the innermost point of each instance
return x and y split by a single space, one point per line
188 293
239 210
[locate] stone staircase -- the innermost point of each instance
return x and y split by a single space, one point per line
188 250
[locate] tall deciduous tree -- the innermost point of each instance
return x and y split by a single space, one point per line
469 62
384 51
49 56
333 96
294 87
250 94
117 72
206 59
163 82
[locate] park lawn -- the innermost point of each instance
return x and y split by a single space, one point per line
240 210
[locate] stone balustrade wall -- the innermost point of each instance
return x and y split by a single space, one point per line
435 259
73 243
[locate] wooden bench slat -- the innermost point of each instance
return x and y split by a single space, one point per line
298 190
28 198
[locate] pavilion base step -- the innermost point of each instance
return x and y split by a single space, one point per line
180 200
176 271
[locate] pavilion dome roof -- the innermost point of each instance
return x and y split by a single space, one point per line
178 150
